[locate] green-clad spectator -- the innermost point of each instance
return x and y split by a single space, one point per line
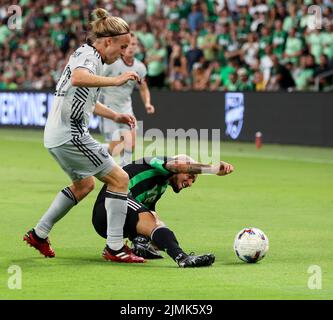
173 17
326 38
56 17
121 4
231 67
3 84
156 58
48 9
314 42
152 6
243 29
265 39
305 19
231 85
291 20
5 32
294 47
145 36
224 16
279 39
207 43
185 8
58 35
75 10
222 42
210 5
304 74
244 14
243 82
214 75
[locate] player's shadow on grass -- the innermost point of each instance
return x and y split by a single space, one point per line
238 264
95 261
101 261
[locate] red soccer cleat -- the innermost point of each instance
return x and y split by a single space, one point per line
42 245
125 255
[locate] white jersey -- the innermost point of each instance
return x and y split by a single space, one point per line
118 98
73 106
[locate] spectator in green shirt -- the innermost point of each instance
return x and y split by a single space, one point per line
294 47
145 36
243 82
243 29
291 20
304 75
208 43
173 16
156 65
231 85
326 37
279 39
214 76
265 39
231 67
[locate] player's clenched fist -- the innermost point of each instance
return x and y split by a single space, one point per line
126 76
224 168
125 118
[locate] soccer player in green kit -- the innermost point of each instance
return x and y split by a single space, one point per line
149 178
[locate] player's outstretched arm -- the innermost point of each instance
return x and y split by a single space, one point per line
145 96
104 111
83 78
181 166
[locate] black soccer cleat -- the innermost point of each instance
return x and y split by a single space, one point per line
142 247
192 261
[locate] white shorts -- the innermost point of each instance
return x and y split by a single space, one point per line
82 158
111 130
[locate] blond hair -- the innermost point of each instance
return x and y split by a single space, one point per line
105 25
184 157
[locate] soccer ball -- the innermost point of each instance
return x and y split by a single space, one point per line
251 245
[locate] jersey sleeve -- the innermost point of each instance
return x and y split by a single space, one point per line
87 61
159 164
143 71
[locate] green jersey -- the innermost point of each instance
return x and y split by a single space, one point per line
148 180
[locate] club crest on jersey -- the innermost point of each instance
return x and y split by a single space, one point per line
89 64
234 113
76 54
103 152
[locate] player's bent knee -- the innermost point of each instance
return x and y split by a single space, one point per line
117 180
82 188
123 180
90 187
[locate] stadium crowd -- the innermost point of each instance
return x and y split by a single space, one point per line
229 45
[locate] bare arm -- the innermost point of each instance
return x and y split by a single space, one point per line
83 78
103 111
221 169
145 96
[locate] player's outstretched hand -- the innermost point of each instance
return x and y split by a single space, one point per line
150 108
126 76
126 118
224 168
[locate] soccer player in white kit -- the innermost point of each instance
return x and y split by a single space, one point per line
68 140
119 136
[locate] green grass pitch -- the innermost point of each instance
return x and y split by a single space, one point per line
284 190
